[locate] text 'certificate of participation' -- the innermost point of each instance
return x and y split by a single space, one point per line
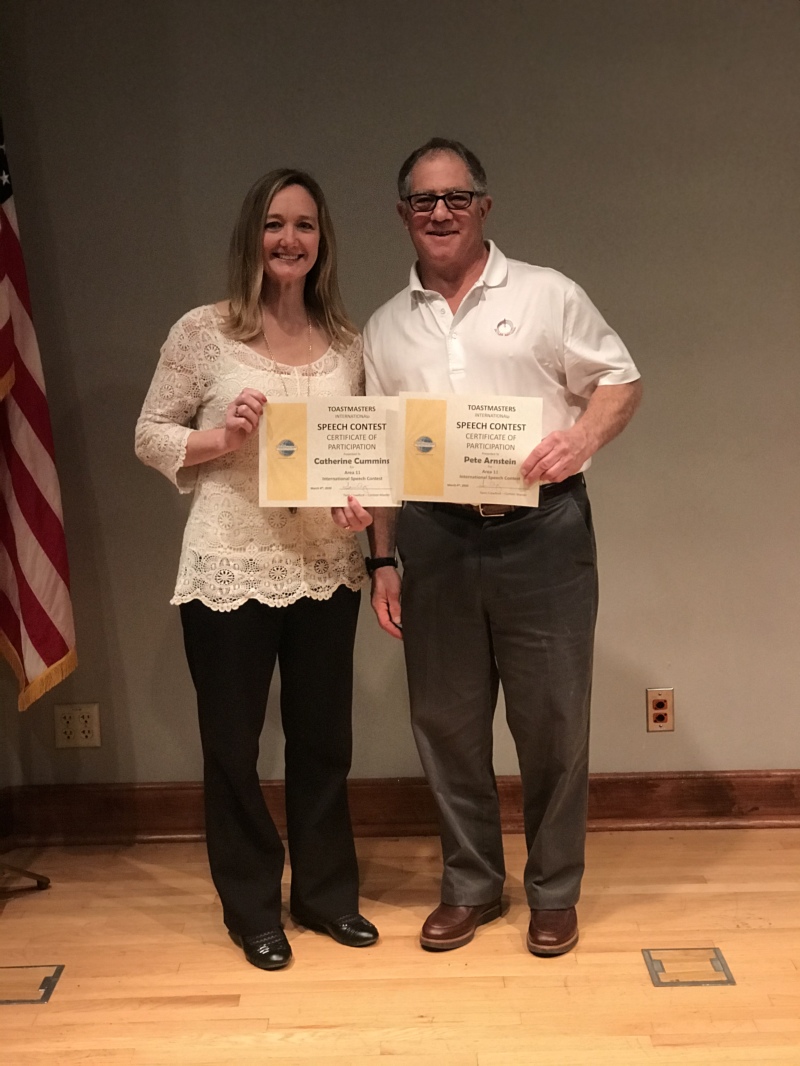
316 452
466 449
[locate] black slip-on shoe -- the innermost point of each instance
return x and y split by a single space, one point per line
352 930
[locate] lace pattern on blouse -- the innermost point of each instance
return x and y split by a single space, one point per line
233 550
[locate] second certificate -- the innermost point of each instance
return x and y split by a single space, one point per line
468 449
316 452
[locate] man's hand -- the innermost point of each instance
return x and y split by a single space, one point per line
558 456
563 453
386 586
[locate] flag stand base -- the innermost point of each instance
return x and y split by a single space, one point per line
42 882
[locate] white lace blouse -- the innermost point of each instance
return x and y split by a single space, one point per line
234 550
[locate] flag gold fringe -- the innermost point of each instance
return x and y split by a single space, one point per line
7 382
33 690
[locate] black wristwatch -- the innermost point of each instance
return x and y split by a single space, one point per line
378 561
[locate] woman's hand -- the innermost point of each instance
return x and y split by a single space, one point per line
352 517
242 417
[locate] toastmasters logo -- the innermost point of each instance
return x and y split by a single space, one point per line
286 448
424 445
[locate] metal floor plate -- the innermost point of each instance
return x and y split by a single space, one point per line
27 984
674 967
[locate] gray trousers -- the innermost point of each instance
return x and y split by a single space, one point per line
511 600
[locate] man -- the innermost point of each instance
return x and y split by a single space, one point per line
497 594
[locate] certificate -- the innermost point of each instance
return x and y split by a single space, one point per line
316 452
467 449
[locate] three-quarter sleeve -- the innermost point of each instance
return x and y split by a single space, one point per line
593 353
175 393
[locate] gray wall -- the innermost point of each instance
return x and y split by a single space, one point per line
648 148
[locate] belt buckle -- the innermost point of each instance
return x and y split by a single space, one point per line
495 510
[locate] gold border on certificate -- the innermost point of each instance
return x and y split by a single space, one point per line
283 455
424 447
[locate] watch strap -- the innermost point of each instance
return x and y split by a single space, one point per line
376 562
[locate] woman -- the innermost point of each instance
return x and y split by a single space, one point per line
256 585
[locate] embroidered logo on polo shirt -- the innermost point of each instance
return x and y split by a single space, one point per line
505 327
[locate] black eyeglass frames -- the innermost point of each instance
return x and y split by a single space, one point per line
425 202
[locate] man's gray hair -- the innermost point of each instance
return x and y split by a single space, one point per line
433 147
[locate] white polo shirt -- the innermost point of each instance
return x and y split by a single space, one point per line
521 330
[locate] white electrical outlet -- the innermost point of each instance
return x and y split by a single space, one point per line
77 725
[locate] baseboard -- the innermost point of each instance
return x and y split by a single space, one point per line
719 799
172 811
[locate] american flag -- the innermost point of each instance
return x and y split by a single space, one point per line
37 633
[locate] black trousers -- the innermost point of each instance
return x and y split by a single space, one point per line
231 658
503 600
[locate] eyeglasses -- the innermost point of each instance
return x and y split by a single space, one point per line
423 203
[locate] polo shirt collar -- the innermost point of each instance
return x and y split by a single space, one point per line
494 273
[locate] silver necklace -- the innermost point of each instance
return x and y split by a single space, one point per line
274 363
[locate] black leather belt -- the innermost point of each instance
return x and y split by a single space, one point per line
501 510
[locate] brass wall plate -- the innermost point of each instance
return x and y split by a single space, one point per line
660 710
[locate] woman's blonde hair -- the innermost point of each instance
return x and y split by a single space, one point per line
246 264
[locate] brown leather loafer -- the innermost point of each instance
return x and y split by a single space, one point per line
552 932
451 927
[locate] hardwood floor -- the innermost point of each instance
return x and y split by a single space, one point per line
151 978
